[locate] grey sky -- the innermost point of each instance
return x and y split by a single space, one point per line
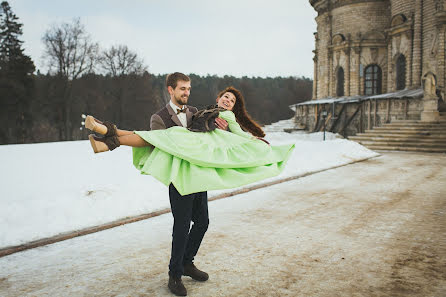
231 37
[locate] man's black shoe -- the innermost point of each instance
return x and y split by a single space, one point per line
176 286
195 273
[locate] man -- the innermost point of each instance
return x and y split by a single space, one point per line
193 207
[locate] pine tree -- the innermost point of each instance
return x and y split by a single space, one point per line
16 81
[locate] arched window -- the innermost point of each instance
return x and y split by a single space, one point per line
340 82
372 80
401 73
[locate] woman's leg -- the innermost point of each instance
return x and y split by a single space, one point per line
103 144
120 132
133 140
97 126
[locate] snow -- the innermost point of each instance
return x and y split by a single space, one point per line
280 126
51 188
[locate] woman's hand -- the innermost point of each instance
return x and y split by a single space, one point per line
221 124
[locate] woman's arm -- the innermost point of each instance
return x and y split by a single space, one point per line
233 126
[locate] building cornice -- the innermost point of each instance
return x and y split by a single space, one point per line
400 29
358 45
440 18
323 6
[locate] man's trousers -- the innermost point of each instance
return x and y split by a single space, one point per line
185 240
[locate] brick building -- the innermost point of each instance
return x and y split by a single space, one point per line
383 59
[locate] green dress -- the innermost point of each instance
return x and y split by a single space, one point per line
202 161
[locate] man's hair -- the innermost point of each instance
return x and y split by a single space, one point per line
173 78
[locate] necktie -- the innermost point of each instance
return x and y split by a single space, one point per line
181 110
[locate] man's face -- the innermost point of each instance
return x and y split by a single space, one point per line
180 94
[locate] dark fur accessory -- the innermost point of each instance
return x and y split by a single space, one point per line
111 137
112 142
111 129
204 120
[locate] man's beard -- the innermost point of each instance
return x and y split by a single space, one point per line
182 99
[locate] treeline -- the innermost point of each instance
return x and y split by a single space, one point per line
111 84
130 100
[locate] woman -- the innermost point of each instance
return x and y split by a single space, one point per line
196 162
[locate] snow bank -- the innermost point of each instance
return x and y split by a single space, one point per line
50 188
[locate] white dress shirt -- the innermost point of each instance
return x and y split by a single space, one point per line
182 115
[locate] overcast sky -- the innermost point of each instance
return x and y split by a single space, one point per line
230 37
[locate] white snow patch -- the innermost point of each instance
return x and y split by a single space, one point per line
51 188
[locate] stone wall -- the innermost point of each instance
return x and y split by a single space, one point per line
350 36
360 18
321 53
433 42
402 6
353 34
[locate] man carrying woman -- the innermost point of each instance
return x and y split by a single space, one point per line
191 163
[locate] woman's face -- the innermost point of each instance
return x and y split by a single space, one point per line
226 101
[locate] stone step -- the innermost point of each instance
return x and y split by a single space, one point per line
387 140
411 128
398 140
407 129
403 148
404 144
414 124
405 133
401 137
441 120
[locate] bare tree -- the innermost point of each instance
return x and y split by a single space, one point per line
70 53
120 60
69 50
122 64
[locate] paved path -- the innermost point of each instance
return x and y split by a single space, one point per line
375 228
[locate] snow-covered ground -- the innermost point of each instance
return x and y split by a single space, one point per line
50 188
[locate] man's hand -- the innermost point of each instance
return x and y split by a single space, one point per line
221 124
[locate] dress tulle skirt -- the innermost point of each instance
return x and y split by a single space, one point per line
196 162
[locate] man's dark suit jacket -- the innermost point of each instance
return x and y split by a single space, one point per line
167 117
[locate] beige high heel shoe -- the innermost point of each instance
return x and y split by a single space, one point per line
94 125
103 144
98 146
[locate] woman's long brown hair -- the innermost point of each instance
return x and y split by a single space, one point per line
241 115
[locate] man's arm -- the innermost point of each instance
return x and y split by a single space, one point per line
156 123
